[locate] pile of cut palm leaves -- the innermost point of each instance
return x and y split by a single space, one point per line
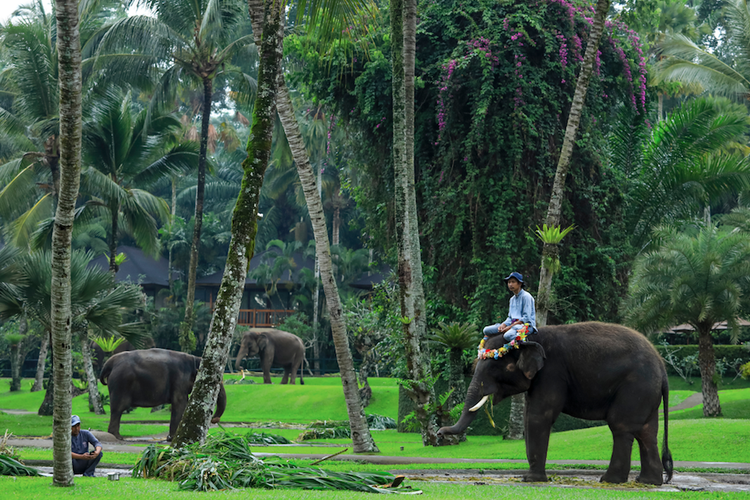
338 429
9 463
226 462
262 438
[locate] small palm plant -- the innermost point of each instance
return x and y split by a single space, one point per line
456 337
552 235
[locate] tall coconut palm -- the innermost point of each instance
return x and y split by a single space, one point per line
31 122
554 211
70 113
194 424
196 41
122 155
411 292
700 279
684 61
361 437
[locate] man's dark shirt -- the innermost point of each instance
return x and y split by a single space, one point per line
80 443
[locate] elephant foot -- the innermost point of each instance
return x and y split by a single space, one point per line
611 477
649 479
535 477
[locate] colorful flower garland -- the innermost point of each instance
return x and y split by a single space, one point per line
483 353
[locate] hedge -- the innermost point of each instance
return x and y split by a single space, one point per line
728 352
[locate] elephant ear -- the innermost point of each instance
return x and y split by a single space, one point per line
262 341
531 359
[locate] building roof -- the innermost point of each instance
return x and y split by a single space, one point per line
718 326
138 267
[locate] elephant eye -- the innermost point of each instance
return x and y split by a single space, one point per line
511 367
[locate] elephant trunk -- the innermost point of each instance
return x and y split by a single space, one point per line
473 398
240 356
221 405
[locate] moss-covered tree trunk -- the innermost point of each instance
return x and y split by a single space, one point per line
187 337
194 424
69 70
707 365
41 361
411 293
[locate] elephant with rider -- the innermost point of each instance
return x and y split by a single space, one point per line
152 377
276 348
593 371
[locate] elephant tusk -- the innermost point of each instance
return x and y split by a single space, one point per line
479 404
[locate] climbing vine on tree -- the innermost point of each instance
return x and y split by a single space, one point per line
494 85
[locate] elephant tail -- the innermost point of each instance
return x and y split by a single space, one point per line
666 455
302 371
106 370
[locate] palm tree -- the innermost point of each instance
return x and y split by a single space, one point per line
96 304
684 61
682 168
196 40
700 279
122 153
361 437
456 337
403 43
31 123
194 424
70 111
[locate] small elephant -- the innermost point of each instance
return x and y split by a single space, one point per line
152 377
594 371
275 348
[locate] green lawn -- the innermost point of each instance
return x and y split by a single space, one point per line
40 488
735 404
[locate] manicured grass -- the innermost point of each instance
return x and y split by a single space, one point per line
735 404
41 488
720 440
677 397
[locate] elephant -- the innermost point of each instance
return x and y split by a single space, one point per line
152 377
275 348
593 371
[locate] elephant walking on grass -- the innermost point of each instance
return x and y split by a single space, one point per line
594 371
275 348
152 377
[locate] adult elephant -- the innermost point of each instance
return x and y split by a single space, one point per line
152 377
594 371
275 348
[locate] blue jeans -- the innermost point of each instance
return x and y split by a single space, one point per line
86 467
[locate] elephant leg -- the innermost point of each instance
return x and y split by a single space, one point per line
178 408
619 464
293 373
538 422
116 407
267 370
651 467
285 378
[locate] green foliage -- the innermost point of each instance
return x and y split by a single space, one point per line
684 359
489 129
109 344
226 462
11 467
552 235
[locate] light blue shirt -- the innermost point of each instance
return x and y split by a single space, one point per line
522 307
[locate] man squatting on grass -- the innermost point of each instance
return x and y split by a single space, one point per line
84 461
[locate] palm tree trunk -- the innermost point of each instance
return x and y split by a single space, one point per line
15 355
403 40
95 399
563 164
171 222
115 213
187 337
69 70
707 364
361 437
194 424
39 378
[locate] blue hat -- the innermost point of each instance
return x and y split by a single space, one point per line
516 275
74 420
